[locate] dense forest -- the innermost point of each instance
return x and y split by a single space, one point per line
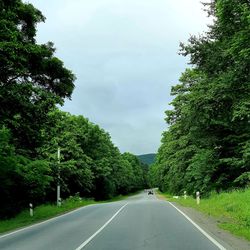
147 159
207 144
33 84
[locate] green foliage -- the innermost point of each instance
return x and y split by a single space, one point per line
32 79
147 158
243 180
36 179
22 180
90 163
137 180
32 84
9 178
207 145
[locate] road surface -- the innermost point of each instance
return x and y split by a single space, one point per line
140 222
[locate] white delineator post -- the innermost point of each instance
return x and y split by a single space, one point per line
58 199
31 209
185 195
198 197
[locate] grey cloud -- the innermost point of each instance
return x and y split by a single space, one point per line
124 54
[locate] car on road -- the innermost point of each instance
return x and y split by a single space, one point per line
150 192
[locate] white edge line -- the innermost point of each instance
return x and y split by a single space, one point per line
100 229
199 228
45 221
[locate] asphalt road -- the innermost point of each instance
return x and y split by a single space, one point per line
140 222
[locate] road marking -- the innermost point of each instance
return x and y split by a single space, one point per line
199 228
100 229
45 221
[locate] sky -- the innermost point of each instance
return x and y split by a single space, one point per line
124 54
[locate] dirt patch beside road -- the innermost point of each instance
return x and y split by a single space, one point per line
160 196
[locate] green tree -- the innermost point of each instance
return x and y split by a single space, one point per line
137 182
32 84
32 79
9 179
21 181
206 146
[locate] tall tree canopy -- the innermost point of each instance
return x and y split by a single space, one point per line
207 144
32 82
32 79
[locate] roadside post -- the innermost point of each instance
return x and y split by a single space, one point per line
198 197
31 209
58 199
185 195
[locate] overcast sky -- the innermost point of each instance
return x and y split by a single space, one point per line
124 54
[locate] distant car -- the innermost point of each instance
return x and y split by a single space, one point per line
150 192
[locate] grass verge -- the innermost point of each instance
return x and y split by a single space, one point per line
47 211
122 197
232 210
41 213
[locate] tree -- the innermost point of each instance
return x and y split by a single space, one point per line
90 164
137 182
206 146
9 178
32 79
22 180
32 84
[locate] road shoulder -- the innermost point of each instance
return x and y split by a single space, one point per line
209 224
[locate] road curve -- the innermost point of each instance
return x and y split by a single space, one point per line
140 222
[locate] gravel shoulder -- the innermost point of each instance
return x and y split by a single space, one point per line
209 224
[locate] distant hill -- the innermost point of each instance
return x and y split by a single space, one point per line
147 158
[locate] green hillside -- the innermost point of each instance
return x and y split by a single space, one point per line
147 158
